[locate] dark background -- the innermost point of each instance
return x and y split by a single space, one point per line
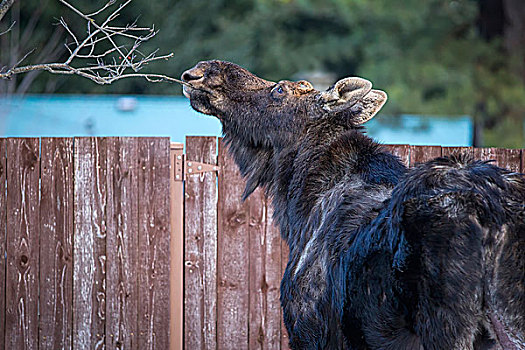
434 57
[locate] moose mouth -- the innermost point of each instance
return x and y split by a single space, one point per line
186 91
200 100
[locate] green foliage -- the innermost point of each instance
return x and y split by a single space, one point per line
428 55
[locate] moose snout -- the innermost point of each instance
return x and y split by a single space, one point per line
192 74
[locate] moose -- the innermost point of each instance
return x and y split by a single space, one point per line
381 256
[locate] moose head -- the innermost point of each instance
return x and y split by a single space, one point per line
269 113
261 118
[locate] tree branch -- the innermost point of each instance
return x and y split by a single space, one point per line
86 60
5 5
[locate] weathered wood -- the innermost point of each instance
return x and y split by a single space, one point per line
154 243
232 257
89 253
273 276
200 258
509 159
257 263
56 243
176 248
23 171
446 151
522 161
488 153
421 154
265 274
122 244
285 340
402 151
3 222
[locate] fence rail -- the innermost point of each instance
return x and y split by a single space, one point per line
105 246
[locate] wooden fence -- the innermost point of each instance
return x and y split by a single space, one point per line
90 262
85 224
233 254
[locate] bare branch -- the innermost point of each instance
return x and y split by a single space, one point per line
5 5
8 29
87 61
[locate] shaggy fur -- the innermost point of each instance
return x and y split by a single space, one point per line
381 257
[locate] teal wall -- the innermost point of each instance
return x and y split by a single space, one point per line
99 115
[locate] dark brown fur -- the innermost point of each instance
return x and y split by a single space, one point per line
380 257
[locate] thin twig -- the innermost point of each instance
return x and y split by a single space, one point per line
5 5
8 29
94 66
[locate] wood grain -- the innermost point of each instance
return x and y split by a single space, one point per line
402 151
285 340
265 266
122 244
23 172
446 151
270 281
154 243
3 222
89 253
522 161
56 243
233 249
421 154
509 159
200 240
176 248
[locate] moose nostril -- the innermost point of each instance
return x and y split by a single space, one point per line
189 76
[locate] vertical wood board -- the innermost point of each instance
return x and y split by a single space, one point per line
122 244
285 251
23 172
265 270
402 151
89 252
154 243
421 154
200 239
56 243
446 151
176 248
233 249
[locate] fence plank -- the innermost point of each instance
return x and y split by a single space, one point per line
509 159
522 160
89 252
56 243
23 171
3 222
154 243
505 158
265 274
200 266
285 340
421 154
122 244
402 151
232 257
446 151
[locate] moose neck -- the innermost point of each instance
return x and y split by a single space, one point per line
316 171
345 169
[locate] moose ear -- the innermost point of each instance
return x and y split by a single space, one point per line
345 93
366 108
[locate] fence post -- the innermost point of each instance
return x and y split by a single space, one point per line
176 248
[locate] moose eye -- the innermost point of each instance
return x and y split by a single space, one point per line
277 91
